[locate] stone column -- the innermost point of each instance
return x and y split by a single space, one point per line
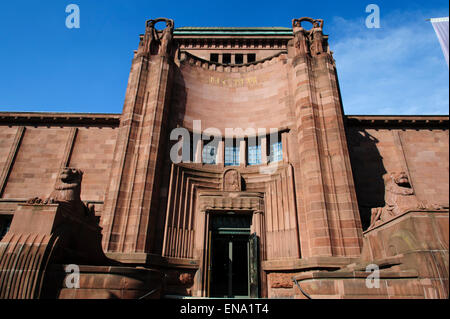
242 152
132 195
328 216
220 157
264 158
198 152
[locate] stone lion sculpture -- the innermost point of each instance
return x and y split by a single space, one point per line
67 191
399 198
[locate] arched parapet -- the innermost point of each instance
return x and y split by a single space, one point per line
188 58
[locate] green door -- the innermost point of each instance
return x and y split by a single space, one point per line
233 264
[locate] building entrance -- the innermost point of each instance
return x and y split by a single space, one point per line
233 258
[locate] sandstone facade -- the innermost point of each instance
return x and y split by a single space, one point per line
307 202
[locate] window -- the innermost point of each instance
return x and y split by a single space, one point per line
239 59
214 57
209 153
254 154
251 57
276 149
226 59
232 153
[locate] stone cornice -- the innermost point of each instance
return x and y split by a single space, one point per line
113 120
56 119
398 121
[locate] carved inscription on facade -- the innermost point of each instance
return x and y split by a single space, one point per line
233 83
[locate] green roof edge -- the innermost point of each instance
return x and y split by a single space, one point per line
233 30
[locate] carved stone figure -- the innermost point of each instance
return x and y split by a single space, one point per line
232 181
166 39
67 192
152 43
317 37
300 37
150 37
399 198
69 186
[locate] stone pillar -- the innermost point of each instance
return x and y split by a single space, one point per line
132 195
329 223
242 152
264 158
220 157
345 219
198 152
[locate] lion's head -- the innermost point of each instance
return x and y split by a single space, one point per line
400 179
71 176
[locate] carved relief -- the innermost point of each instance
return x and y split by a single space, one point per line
399 198
232 181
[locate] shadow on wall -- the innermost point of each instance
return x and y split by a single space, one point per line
175 119
178 99
368 171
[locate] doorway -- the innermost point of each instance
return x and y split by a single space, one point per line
233 264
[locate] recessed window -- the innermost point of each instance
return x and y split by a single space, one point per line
276 149
239 59
254 155
254 151
251 57
214 57
226 58
231 153
209 153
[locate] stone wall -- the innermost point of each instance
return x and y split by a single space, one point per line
33 148
419 149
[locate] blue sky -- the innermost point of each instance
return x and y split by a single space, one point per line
397 69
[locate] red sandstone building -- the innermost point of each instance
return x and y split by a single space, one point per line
298 203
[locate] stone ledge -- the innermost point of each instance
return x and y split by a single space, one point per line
153 260
355 274
109 269
307 263
408 212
